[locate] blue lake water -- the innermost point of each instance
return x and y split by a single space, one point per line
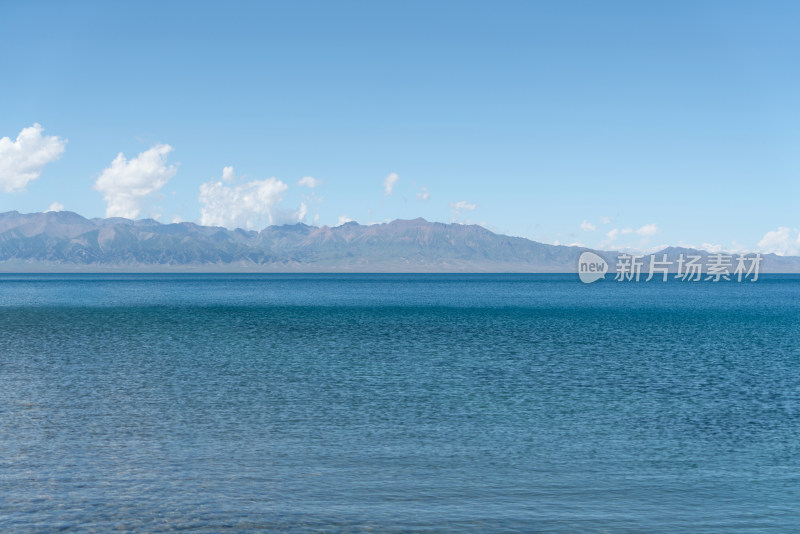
478 403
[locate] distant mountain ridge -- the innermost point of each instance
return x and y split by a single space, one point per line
67 242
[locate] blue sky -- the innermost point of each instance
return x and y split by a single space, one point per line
610 124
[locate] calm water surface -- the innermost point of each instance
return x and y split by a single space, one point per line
481 403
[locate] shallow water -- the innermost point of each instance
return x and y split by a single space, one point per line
398 403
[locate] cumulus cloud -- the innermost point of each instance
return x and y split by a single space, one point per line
55 206
22 160
424 194
462 205
125 184
710 247
311 201
247 205
309 181
301 212
227 174
389 183
587 226
456 209
606 220
733 248
648 230
284 216
343 219
783 241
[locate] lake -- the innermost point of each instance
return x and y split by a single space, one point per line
342 403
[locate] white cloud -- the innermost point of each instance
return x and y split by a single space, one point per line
783 241
456 209
247 206
309 181
648 230
22 160
709 247
733 248
56 206
587 226
125 184
300 214
462 205
311 201
343 219
281 216
605 220
424 194
177 219
389 183
641 249
645 231
227 174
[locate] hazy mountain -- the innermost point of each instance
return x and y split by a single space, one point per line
65 241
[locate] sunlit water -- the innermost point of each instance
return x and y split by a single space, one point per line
480 403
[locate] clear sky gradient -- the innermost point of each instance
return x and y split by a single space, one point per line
610 124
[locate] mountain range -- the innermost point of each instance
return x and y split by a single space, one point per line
67 242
